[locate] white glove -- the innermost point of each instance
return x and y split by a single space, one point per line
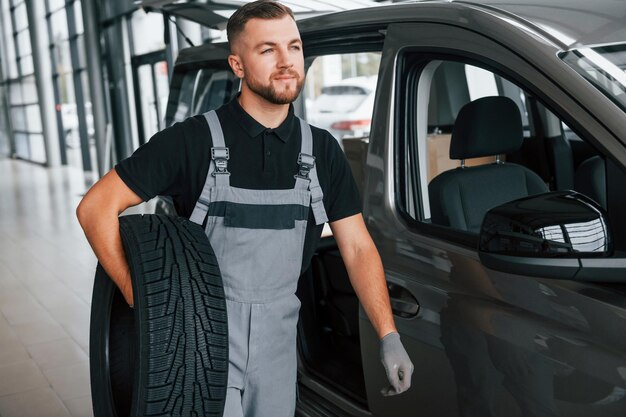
397 364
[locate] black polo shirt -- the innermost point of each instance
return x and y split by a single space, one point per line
175 162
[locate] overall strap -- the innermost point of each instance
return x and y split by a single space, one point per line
218 169
307 174
219 151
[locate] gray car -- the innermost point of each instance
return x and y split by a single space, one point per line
494 186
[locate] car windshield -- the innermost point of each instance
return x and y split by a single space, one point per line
340 99
603 66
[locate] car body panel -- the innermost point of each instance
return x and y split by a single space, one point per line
459 306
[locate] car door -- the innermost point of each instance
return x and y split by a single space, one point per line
483 342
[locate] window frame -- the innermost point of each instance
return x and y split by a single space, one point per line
409 75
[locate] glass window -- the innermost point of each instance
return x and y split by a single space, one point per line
12 68
55 5
339 96
18 118
58 25
5 22
63 57
354 65
23 43
456 192
4 125
339 93
37 148
454 85
29 89
26 65
480 82
152 108
78 12
69 116
181 92
66 87
199 91
604 67
22 147
147 32
15 93
33 117
21 19
213 89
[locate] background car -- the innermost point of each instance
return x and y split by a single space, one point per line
345 108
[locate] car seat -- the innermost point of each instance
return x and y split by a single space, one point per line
460 197
590 179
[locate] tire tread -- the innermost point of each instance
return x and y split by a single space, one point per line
184 317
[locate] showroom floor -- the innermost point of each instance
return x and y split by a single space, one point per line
46 278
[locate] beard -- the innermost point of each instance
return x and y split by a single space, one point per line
269 92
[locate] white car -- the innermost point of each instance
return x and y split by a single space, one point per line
345 108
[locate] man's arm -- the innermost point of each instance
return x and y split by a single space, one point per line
98 214
365 270
367 276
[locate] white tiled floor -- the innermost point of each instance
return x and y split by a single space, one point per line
46 277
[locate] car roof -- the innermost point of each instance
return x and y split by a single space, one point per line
581 22
566 23
558 24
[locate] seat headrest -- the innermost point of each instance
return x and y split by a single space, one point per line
487 126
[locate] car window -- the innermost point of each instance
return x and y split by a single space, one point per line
452 177
339 93
603 66
454 85
339 97
198 91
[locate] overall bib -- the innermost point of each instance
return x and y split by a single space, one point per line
258 239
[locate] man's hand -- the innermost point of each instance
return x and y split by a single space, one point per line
126 288
397 364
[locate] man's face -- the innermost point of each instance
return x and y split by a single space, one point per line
271 59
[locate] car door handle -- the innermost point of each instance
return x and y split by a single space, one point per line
403 304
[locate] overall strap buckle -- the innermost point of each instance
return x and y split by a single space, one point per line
220 157
305 165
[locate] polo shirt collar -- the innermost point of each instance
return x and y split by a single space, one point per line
254 128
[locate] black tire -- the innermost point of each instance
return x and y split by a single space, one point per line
169 355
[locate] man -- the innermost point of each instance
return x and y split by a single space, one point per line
232 171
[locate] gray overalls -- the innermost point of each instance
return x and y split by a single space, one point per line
258 239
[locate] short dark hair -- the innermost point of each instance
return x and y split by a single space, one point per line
261 9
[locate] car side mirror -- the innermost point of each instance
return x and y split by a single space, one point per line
561 234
